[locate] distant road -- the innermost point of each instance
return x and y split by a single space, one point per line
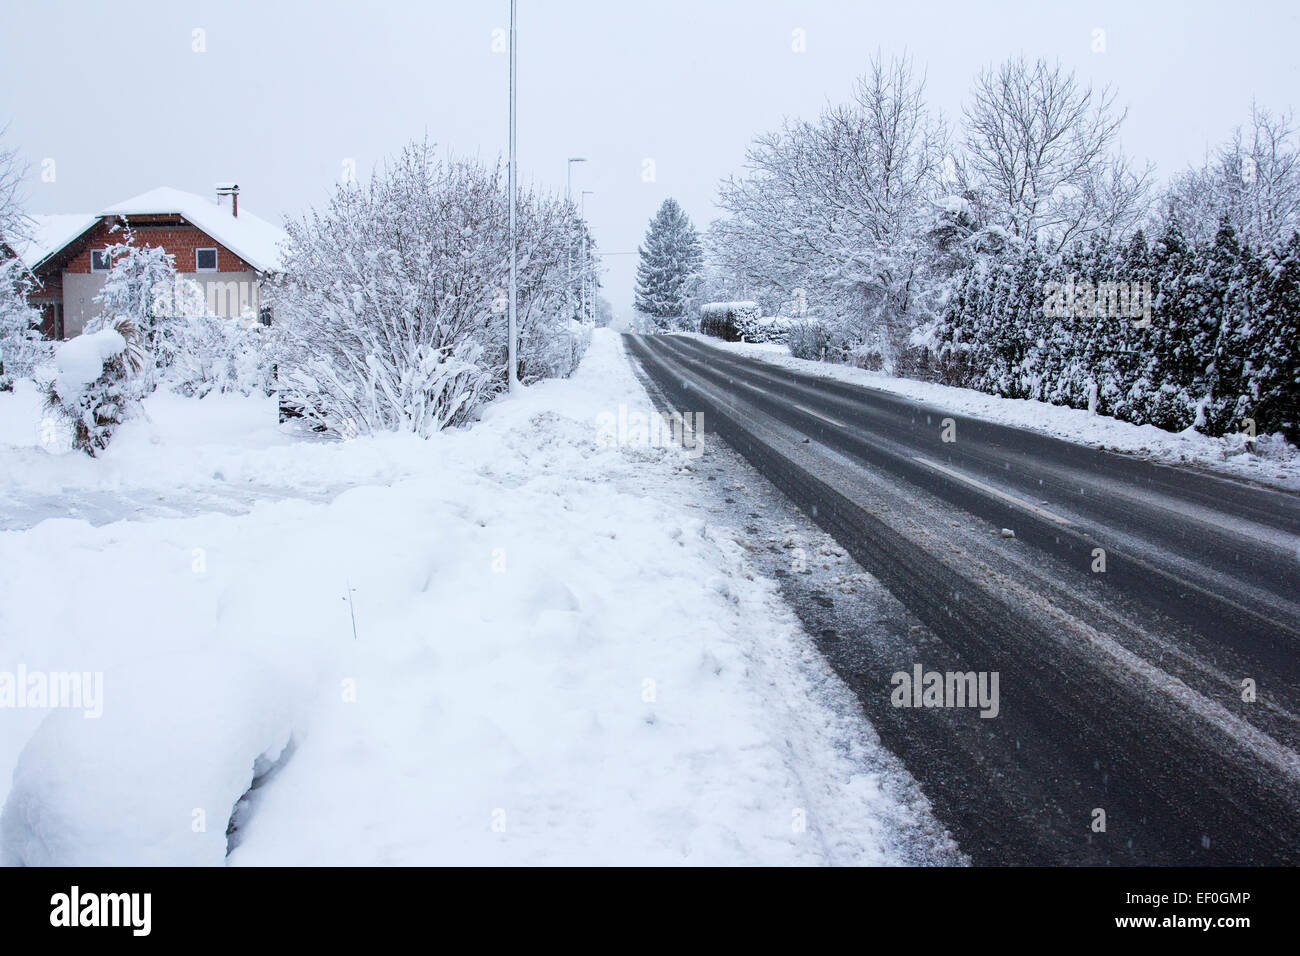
1128 616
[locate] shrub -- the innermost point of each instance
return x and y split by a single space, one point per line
390 315
211 353
724 320
98 384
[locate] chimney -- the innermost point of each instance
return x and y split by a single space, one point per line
231 190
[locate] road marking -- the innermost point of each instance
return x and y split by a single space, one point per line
825 418
1019 503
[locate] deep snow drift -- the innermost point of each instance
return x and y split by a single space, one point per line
552 663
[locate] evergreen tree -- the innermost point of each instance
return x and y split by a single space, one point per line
668 275
1277 355
1218 346
1137 333
1171 370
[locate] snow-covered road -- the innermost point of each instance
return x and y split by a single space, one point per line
1129 610
553 661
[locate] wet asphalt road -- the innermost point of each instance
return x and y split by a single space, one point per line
1128 617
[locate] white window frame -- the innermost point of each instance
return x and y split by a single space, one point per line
108 266
215 259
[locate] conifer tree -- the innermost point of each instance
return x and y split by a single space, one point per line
668 275
1276 354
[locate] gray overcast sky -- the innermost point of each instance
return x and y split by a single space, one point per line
285 92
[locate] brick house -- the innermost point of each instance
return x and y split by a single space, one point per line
226 252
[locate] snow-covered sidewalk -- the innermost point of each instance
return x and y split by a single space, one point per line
552 663
1275 462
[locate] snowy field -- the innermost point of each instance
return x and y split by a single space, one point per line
502 645
1274 461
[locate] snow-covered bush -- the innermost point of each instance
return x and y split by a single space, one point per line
185 347
22 347
390 314
138 289
559 352
724 320
810 339
770 328
98 383
212 353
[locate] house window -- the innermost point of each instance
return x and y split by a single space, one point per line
205 260
99 261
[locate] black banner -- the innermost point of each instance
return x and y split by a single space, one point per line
135 906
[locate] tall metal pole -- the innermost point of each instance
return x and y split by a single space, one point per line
585 267
512 378
568 238
568 244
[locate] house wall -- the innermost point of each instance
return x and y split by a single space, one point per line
229 294
179 241
79 291
234 289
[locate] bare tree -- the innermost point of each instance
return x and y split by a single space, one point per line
15 226
1269 166
835 206
1041 152
1253 179
21 347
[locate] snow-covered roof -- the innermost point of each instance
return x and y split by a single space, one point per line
49 234
254 240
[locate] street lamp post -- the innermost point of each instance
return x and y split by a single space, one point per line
512 375
568 186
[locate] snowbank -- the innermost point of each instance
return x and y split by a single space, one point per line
550 662
81 360
151 782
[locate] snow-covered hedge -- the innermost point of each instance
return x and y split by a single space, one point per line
725 320
771 328
1168 333
744 322
810 339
